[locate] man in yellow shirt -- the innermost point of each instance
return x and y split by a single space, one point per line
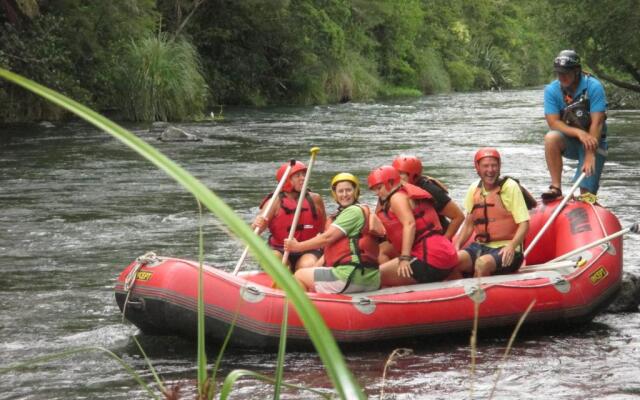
498 218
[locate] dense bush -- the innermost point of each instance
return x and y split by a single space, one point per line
267 52
161 80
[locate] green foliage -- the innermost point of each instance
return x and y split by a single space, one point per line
38 50
72 46
492 69
389 91
161 79
462 75
431 73
96 35
287 51
397 33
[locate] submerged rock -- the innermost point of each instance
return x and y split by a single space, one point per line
629 297
173 134
158 126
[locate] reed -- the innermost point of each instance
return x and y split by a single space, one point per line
233 376
509 345
473 341
225 343
474 345
341 377
391 360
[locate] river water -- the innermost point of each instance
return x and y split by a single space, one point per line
78 206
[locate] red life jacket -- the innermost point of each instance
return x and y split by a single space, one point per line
491 220
360 250
309 224
426 217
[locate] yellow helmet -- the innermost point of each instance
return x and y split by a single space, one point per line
345 176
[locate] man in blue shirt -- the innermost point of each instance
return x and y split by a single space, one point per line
575 108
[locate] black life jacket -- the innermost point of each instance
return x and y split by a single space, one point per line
577 111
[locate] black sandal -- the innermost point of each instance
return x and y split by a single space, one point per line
553 193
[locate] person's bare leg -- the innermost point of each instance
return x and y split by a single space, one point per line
306 261
464 266
389 274
387 252
553 148
304 277
485 266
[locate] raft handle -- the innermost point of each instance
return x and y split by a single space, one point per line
136 303
363 301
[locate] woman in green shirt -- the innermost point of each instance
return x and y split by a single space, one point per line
350 248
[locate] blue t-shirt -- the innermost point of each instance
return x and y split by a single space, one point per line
554 98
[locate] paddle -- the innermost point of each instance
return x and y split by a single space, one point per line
554 215
634 228
303 191
548 266
266 211
559 261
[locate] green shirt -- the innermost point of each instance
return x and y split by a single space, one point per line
351 221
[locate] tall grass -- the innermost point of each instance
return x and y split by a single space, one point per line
341 377
162 80
432 75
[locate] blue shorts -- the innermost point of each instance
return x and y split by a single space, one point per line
574 150
476 250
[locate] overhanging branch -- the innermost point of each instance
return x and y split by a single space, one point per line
617 82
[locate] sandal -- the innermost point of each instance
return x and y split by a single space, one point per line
553 193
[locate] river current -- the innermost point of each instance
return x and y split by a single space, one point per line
78 206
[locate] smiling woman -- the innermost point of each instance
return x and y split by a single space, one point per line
348 242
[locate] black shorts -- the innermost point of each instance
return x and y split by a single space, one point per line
425 273
294 257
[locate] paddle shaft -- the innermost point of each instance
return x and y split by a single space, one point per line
266 211
554 215
303 192
633 228
548 266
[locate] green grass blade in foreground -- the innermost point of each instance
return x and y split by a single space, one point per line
216 366
281 350
153 370
80 350
234 375
202 355
320 335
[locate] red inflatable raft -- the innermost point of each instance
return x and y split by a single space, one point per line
162 296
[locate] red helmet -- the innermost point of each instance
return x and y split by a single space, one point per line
410 165
385 174
297 167
486 152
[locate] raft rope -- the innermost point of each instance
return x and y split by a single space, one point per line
147 258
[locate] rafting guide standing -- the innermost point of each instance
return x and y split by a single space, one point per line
575 108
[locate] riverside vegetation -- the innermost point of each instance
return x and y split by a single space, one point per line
176 60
